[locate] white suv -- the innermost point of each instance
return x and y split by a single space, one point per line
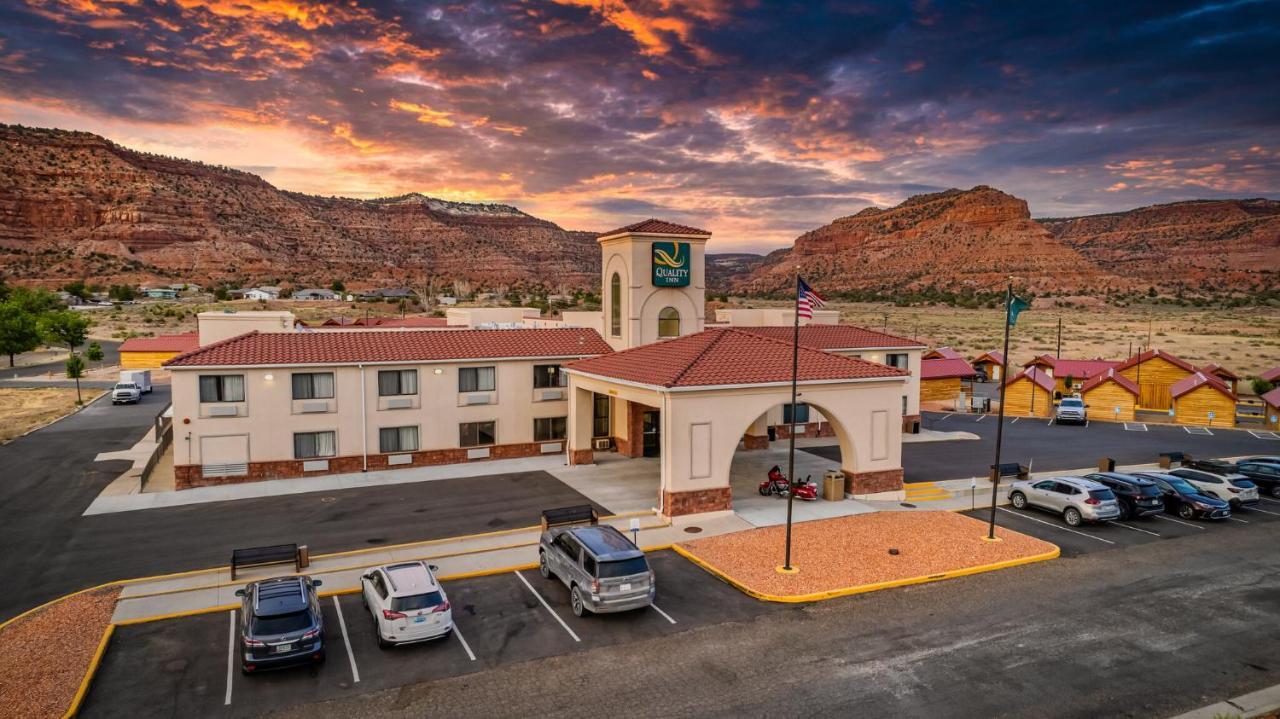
1234 489
406 602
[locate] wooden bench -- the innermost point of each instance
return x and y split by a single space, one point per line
570 515
260 556
1167 459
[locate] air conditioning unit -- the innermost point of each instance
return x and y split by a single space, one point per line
552 394
316 465
481 453
602 443
399 403
482 398
309 407
224 411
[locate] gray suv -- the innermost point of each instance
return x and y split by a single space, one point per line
280 623
1077 499
1071 409
603 570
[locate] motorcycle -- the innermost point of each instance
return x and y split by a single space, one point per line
777 484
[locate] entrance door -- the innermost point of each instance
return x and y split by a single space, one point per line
652 433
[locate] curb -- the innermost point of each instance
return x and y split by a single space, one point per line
89 673
861 588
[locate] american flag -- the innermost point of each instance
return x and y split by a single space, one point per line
807 300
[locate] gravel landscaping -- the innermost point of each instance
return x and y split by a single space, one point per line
847 552
44 656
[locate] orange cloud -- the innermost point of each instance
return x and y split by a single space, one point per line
426 115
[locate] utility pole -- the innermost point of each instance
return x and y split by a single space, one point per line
1004 383
1059 355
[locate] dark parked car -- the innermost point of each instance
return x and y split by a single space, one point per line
280 623
1264 474
1184 498
1138 497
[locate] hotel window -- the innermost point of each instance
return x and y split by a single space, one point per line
546 429
313 385
549 375
394 382
801 412
669 322
222 388
600 415
896 359
476 379
398 439
475 434
309 445
615 305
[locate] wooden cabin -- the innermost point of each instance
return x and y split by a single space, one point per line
1029 394
1110 396
1155 372
942 353
1202 399
1070 375
942 379
991 363
1229 378
152 352
1271 408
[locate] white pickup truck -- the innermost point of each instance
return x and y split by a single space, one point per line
126 393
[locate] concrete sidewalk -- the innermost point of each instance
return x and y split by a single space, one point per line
194 592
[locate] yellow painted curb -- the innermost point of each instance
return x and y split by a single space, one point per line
862 588
83 690
177 615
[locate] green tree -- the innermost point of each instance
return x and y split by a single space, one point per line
1261 386
37 301
66 328
94 352
338 286
19 330
221 294
76 289
75 370
121 293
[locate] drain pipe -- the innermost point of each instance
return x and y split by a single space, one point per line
662 497
364 426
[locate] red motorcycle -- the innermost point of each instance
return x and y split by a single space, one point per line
777 484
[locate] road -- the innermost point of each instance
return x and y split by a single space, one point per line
1047 447
110 356
1148 630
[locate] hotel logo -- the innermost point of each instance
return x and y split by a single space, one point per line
671 264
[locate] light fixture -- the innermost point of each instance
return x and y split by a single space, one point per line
437 370
268 376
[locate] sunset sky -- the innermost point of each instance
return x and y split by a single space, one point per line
757 120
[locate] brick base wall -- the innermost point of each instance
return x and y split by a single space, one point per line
187 476
888 480
582 456
811 429
675 504
750 442
908 420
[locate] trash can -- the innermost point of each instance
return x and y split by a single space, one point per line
304 556
1106 464
833 485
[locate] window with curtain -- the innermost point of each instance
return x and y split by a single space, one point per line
312 385
222 388
398 439
799 411
476 379
475 434
600 415
615 305
549 375
896 359
549 428
669 322
310 445
397 381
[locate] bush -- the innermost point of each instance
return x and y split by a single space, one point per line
1261 386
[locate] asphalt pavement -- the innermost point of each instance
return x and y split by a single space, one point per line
110 356
1048 447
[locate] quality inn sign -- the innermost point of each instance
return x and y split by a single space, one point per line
671 264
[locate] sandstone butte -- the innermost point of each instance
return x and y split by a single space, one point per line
75 205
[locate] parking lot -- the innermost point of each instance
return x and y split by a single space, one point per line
188 666
1089 538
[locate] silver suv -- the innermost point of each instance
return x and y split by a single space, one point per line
603 570
1071 409
1077 499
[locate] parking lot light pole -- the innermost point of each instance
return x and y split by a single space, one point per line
1010 316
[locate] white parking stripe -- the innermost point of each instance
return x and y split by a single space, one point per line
1015 420
1051 524
1273 501
664 614
467 647
1136 529
1236 519
1179 521
231 655
351 657
943 417
980 418
1255 509
548 606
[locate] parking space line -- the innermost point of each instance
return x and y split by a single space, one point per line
1179 521
943 417
664 614
1273 501
1051 524
548 606
1015 420
231 655
1136 529
467 647
346 640
1135 427
980 418
1237 519
1255 509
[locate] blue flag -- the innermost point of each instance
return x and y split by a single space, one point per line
1015 306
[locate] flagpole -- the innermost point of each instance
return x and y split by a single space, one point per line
1004 383
791 426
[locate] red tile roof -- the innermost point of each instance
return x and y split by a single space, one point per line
361 322
351 347
1272 398
1272 374
1186 384
1149 354
994 356
726 356
1219 371
657 227
1074 368
835 337
1039 376
942 353
945 368
162 343
1111 375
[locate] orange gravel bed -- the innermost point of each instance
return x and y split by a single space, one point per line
44 656
845 554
